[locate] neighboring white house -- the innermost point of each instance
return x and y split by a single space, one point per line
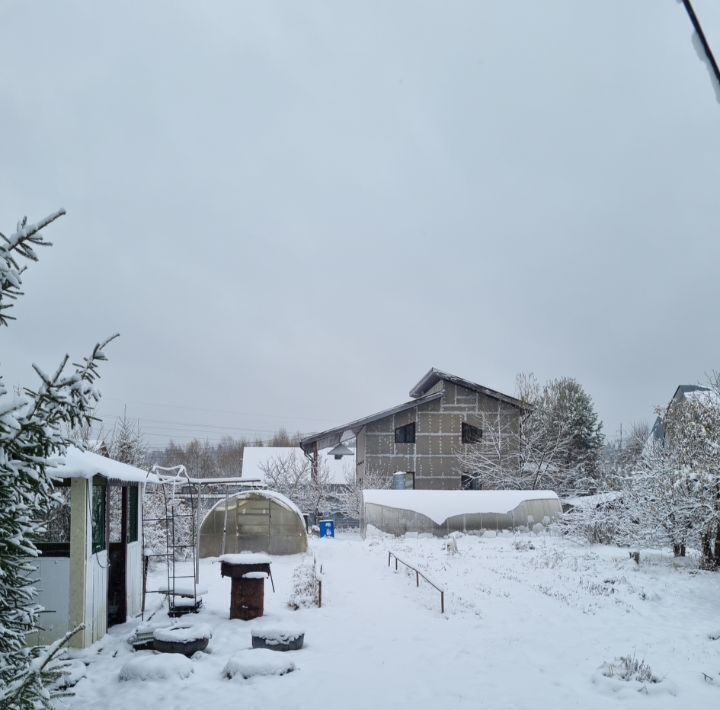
256 459
91 565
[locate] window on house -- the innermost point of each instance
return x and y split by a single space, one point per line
470 483
471 434
405 434
403 480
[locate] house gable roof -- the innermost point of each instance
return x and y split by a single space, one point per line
433 376
657 433
332 437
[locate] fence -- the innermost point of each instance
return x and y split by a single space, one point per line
418 574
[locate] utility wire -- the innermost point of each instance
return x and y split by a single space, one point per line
217 411
703 40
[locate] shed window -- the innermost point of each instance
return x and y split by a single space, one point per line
55 540
471 434
99 490
132 513
405 434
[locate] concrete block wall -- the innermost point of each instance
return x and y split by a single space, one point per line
438 437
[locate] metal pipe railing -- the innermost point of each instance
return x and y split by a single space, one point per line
418 574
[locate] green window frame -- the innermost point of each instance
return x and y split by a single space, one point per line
99 517
133 507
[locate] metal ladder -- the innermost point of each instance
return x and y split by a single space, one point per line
183 598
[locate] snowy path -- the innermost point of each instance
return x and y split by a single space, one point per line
524 629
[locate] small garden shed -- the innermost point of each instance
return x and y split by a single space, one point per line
253 521
442 512
90 567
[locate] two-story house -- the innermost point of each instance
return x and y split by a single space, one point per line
426 437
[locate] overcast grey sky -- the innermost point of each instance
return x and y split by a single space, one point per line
291 210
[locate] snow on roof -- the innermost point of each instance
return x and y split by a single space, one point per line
703 396
441 505
86 464
255 458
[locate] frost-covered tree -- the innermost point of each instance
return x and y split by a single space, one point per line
349 497
554 444
633 445
291 475
33 437
674 493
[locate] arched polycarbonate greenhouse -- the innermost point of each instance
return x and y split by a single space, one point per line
253 521
441 512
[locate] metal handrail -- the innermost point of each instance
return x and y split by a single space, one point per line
418 574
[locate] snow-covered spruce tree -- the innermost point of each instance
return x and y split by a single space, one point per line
127 443
555 444
569 409
32 438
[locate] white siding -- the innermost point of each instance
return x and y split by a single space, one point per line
53 575
97 591
133 576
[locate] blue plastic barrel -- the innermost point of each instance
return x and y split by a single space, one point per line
327 528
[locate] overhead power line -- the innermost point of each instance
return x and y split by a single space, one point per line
703 41
218 411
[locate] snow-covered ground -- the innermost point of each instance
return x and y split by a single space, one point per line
530 620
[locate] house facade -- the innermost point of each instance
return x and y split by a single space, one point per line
426 438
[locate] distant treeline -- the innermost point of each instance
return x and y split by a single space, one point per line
205 460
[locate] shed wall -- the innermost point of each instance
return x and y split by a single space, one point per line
53 574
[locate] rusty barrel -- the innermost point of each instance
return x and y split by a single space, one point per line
247 592
247 597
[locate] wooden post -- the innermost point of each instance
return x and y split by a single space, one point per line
442 602
225 521
417 578
314 463
196 541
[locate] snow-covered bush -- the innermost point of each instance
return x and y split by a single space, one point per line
629 668
601 518
34 430
306 586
